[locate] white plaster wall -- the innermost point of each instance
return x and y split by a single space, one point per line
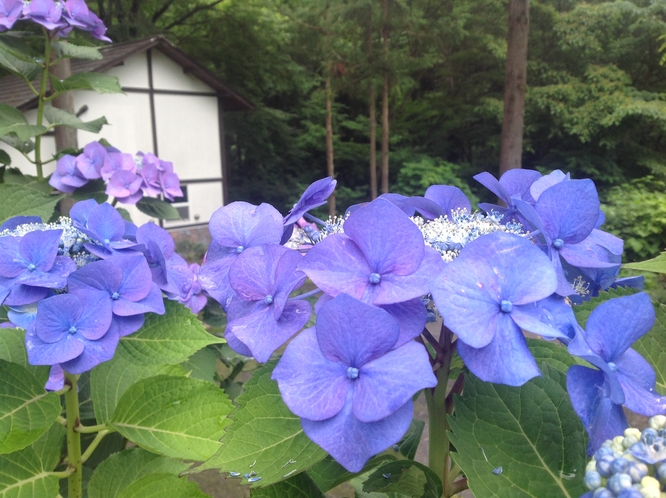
204 200
188 135
168 75
133 72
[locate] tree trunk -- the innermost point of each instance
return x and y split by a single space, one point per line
385 100
330 167
65 137
372 111
515 86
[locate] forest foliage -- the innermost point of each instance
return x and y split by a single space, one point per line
595 100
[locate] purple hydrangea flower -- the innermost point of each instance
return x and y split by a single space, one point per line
126 284
78 15
73 331
90 162
261 315
125 186
10 10
623 375
351 389
117 161
427 208
45 12
67 177
314 196
33 260
381 258
448 198
104 224
196 299
234 228
487 295
514 184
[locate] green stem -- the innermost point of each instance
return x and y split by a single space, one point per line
40 105
93 445
83 429
75 464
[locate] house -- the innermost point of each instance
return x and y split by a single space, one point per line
171 106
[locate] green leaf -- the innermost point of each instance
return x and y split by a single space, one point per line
202 365
22 200
653 346
161 485
265 436
328 473
86 410
95 189
111 379
63 48
26 409
298 486
59 117
4 158
170 338
530 431
124 213
101 83
23 474
583 311
406 477
16 61
12 348
49 447
13 121
126 467
25 146
554 353
410 441
177 417
655 265
157 208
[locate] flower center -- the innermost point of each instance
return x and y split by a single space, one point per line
352 373
375 278
558 244
612 366
31 267
115 296
268 299
240 249
506 306
72 330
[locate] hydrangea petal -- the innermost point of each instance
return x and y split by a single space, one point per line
214 278
311 385
43 353
314 196
337 265
448 198
56 315
352 442
505 360
388 382
235 344
569 210
542 183
390 241
354 333
95 318
11 264
252 274
616 324
602 418
243 224
94 353
411 316
40 248
638 378
397 288
529 318
582 256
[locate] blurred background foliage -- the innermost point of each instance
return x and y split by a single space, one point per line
595 100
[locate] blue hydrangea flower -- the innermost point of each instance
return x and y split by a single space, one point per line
262 316
314 196
448 198
351 389
73 331
487 295
102 223
514 184
381 258
234 228
623 375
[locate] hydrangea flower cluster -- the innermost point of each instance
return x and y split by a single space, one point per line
77 286
58 17
129 177
384 266
632 465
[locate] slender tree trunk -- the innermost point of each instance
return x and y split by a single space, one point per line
385 99
515 86
65 137
372 111
330 166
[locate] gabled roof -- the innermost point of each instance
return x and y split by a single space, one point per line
15 92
